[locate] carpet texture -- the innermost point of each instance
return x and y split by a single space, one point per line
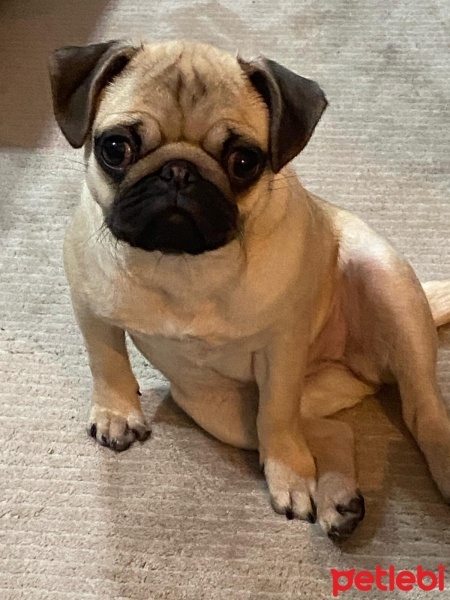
183 516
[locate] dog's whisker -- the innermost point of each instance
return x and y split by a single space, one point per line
74 169
157 265
278 189
186 261
74 161
101 233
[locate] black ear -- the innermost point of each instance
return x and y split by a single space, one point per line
77 75
295 106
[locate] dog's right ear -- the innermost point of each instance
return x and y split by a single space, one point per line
77 75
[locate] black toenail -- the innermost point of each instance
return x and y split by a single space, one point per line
104 440
311 517
289 514
333 534
139 393
93 430
362 505
313 511
119 446
356 506
141 434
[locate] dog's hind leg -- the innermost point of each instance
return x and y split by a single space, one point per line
339 504
424 409
227 412
332 387
396 337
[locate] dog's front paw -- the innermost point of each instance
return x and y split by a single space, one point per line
291 481
340 505
117 430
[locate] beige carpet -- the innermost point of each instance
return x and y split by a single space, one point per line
182 516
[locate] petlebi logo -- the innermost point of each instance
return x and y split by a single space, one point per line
388 580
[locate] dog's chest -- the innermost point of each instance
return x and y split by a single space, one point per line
201 338
196 360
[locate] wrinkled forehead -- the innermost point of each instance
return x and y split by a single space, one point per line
188 92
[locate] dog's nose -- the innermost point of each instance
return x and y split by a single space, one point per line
179 172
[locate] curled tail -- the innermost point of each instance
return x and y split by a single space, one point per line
438 295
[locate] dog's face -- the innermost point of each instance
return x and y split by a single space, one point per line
181 139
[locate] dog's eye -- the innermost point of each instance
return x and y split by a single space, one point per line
244 163
116 151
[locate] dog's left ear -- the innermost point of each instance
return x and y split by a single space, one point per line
295 107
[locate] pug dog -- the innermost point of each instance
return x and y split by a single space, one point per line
267 308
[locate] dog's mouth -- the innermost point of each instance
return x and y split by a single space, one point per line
157 213
173 231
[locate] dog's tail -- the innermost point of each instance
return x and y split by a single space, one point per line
438 295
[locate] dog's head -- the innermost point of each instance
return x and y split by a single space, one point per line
180 138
